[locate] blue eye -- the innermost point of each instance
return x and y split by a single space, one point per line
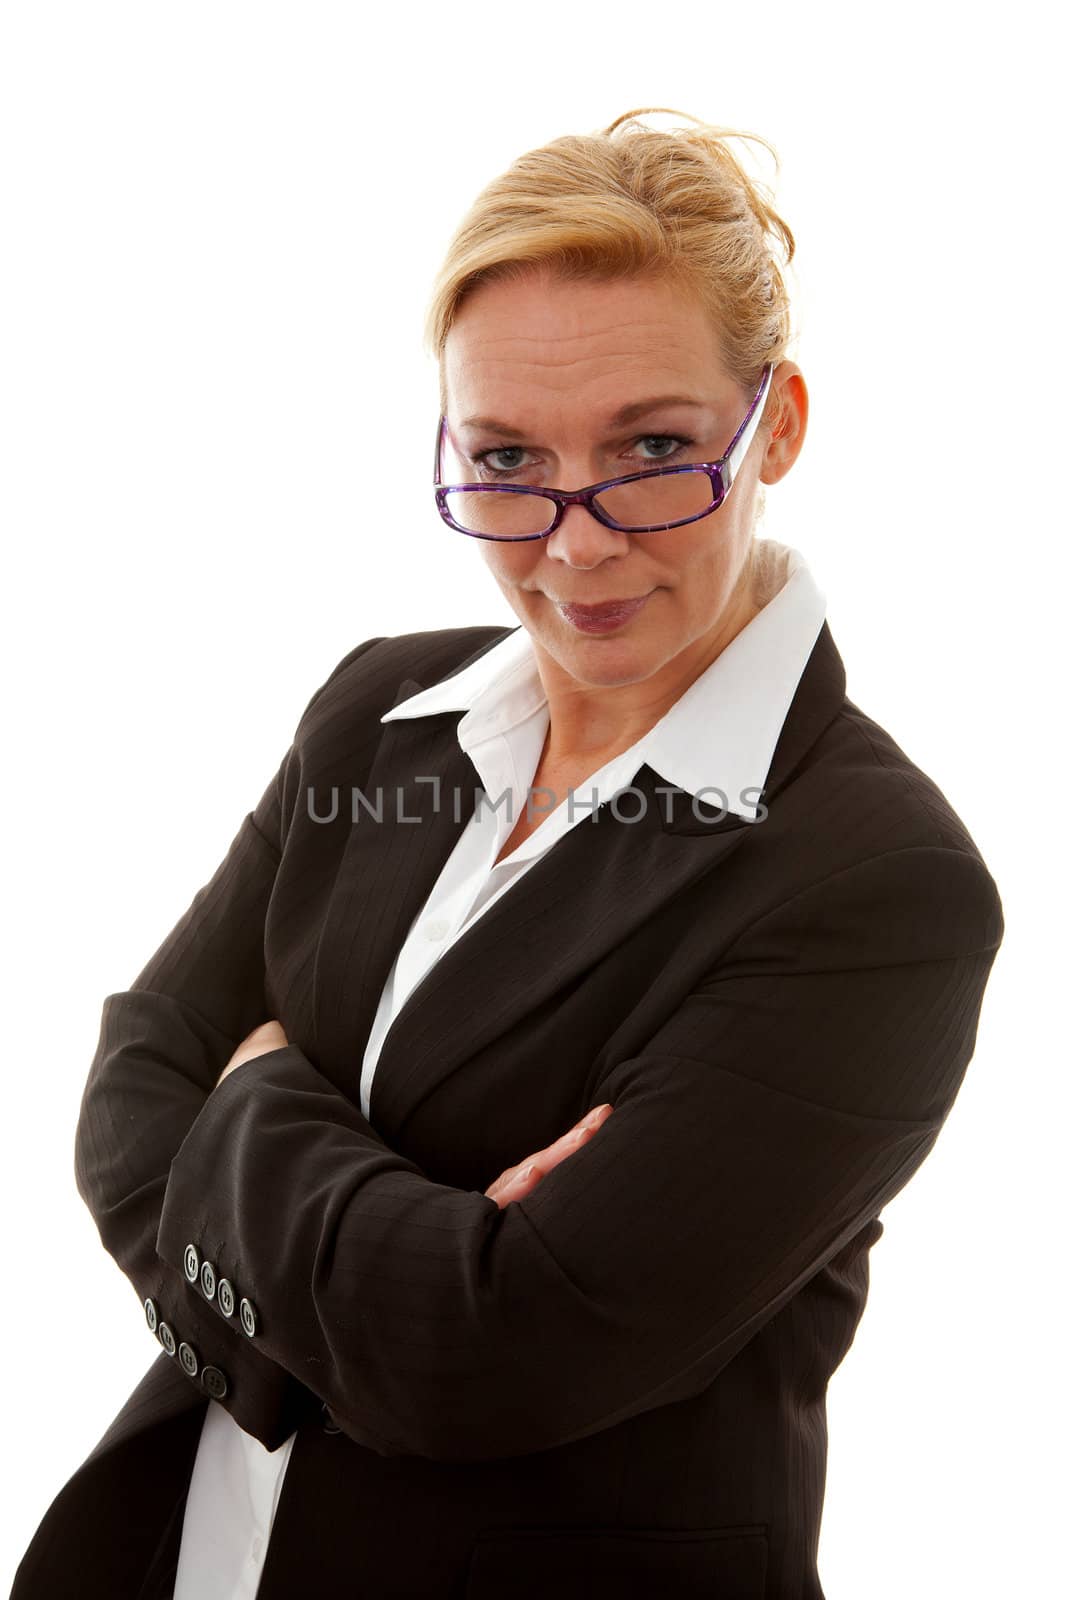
500 450
665 438
679 441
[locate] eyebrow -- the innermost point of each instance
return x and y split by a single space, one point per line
629 413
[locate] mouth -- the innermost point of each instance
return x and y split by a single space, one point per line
604 616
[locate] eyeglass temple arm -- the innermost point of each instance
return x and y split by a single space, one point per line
442 429
747 431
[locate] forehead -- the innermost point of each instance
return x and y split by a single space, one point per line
541 341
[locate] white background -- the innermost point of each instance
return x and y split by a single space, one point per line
220 225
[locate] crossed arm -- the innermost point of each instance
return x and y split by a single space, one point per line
514 1183
779 1109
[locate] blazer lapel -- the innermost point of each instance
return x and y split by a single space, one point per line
597 883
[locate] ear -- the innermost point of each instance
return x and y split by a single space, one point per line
791 423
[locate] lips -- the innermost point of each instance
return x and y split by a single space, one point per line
605 615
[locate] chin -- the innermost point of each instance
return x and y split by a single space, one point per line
607 660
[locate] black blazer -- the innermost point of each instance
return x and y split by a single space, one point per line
619 1381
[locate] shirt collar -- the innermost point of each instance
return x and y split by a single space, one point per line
719 736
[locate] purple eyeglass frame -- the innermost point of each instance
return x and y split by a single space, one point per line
723 475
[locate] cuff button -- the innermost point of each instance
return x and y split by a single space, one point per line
192 1263
188 1359
166 1338
214 1381
248 1318
151 1315
207 1278
227 1298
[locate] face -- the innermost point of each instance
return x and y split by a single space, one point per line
553 361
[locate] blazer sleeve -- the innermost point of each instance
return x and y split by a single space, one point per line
792 1094
162 1045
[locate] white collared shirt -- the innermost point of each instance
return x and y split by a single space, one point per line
719 736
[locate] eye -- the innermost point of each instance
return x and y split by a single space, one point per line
482 459
680 442
665 438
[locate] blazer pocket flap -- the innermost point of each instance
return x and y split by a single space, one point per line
627 1563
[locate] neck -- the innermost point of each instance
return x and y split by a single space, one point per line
595 721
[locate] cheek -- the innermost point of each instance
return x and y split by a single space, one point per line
697 557
510 563
705 570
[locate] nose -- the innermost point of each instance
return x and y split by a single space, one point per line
582 541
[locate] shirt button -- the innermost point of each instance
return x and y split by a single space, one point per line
436 929
257 1548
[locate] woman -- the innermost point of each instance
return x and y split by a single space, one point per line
497 1142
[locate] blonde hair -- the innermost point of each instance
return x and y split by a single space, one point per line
629 200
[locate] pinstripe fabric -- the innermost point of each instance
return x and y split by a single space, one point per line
623 1377
724 727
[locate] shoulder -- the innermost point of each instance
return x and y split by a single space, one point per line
367 677
899 801
855 831
840 779
861 836
340 724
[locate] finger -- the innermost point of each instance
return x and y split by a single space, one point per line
574 1138
543 1161
522 1180
512 1196
550 1156
536 1167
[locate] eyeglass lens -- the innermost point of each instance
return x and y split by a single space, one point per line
672 497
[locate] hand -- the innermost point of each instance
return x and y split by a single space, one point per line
516 1182
267 1036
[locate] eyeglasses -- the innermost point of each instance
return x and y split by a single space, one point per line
640 502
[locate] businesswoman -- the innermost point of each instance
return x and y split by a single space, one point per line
496 1143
